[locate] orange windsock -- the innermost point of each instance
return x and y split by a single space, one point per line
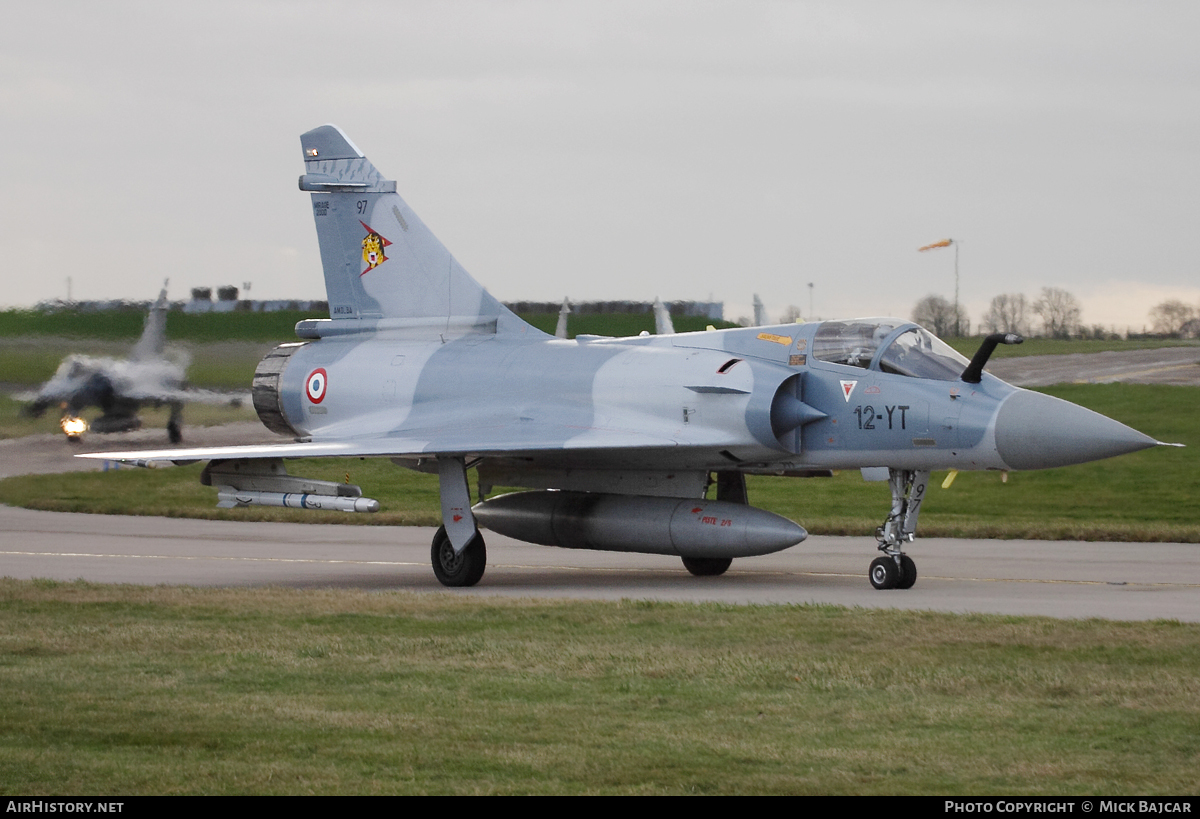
943 243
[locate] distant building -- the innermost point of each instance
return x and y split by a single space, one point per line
227 302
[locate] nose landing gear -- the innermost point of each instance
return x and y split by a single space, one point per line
896 570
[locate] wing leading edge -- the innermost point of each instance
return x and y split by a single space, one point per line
412 444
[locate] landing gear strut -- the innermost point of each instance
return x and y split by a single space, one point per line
458 554
896 570
175 424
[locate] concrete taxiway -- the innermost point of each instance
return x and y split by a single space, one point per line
1166 365
1123 581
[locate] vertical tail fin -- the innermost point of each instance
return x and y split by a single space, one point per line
560 331
663 326
380 260
154 332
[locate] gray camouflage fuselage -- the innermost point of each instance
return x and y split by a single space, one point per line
669 402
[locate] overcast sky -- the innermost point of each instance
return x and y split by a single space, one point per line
616 150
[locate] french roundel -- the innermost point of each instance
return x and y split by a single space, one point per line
315 387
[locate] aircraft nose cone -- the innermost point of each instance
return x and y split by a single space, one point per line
1035 431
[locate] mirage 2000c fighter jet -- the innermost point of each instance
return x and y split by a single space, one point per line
121 387
618 440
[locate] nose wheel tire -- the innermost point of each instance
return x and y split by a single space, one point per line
462 569
883 573
707 566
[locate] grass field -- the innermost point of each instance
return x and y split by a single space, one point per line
125 690
126 325
223 365
1147 496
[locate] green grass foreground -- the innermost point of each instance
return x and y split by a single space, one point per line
1147 496
138 690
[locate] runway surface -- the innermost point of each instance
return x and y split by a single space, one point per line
1123 581
1166 365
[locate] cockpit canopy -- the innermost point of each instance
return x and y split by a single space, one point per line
889 345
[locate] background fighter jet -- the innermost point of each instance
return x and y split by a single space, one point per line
620 441
120 387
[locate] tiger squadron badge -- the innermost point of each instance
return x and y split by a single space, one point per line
372 249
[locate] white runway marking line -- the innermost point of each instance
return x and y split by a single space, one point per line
1139 583
623 570
217 557
928 577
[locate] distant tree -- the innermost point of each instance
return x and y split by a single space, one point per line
1007 313
1098 331
1170 316
791 314
1059 312
935 314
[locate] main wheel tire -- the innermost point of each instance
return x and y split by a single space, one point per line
883 573
174 432
707 566
908 573
462 569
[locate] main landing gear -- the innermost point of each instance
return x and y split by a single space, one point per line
707 566
896 570
462 569
731 487
175 423
461 566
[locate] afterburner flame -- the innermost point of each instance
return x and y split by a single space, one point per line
73 425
